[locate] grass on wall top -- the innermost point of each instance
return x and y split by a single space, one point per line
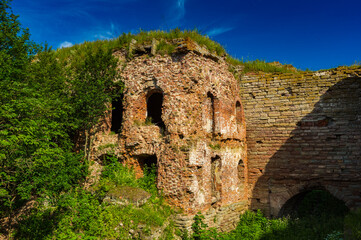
167 46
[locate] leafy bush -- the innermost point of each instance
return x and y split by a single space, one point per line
255 226
82 214
353 224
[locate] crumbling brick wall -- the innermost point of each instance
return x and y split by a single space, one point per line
202 122
303 132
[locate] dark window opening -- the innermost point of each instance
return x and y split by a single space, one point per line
117 114
315 203
238 112
154 109
149 166
148 161
216 179
240 169
210 106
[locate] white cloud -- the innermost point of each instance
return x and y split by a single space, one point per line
105 33
65 44
176 13
217 31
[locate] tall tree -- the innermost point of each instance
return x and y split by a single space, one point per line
45 101
35 149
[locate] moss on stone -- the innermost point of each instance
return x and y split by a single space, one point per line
127 194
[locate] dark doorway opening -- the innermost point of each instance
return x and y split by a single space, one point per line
313 203
147 161
149 167
117 114
154 109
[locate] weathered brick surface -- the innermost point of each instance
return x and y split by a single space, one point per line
303 132
202 125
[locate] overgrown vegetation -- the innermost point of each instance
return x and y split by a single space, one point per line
320 216
353 225
258 66
46 106
50 103
83 214
167 43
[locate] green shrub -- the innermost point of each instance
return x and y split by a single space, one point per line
353 224
82 214
255 226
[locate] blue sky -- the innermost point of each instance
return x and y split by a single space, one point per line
314 34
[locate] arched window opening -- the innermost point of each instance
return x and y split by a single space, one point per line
216 179
238 112
154 109
211 112
315 203
240 170
117 114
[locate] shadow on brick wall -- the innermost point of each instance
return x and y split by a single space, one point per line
322 152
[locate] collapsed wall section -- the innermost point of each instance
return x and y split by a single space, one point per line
303 132
185 111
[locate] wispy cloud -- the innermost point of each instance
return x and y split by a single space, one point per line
108 32
181 9
176 13
65 44
217 31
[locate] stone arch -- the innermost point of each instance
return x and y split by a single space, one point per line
117 114
210 112
239 112
290 204
241 172
216 182
155 107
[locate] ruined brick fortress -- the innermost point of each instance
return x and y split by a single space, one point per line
187 114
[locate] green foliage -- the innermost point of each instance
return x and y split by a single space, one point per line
252 225
334 236
167 45
149 181
198 226
164 48
166 39
147 122
166 42
116 174
91 71
82 214
46 100
34 142
216 146
49 98
257 66
320 217
318 203
16 50
353 224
